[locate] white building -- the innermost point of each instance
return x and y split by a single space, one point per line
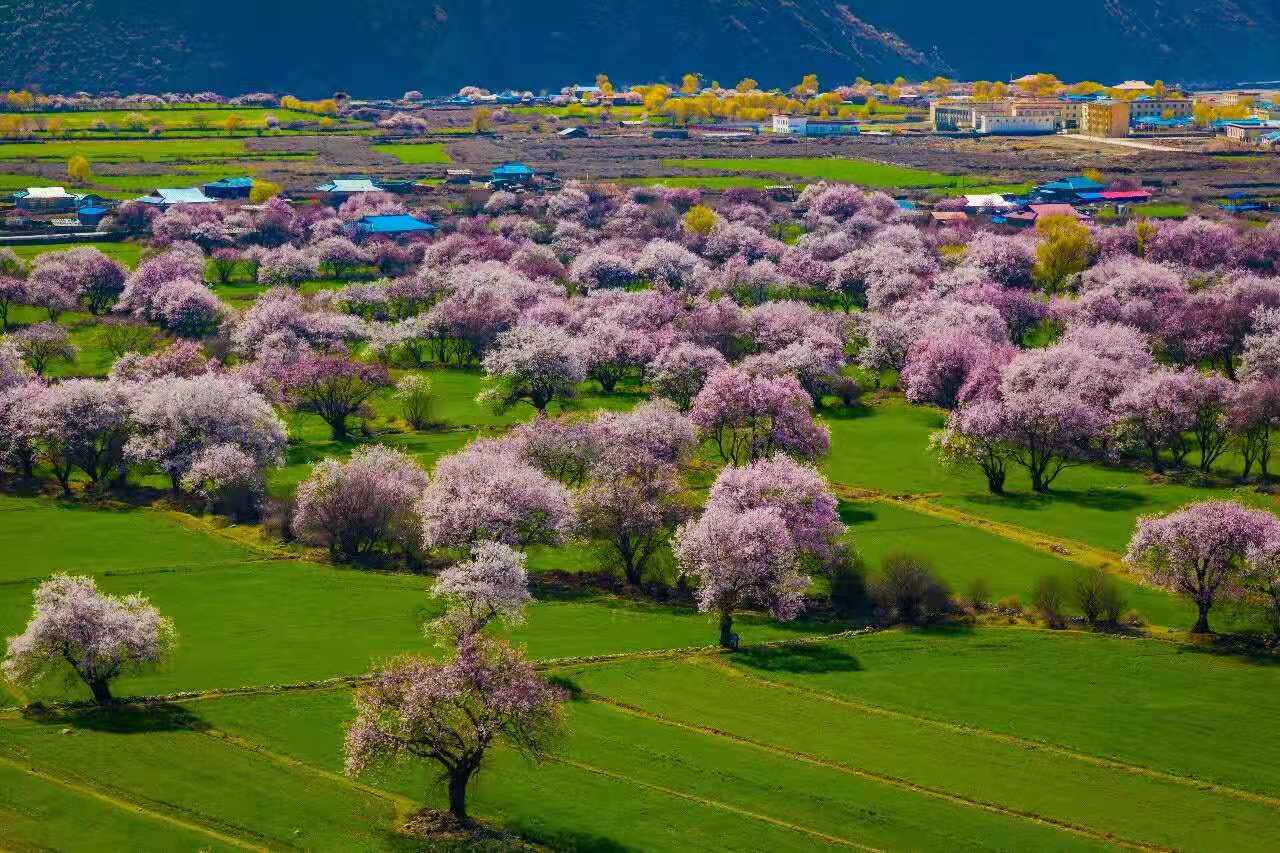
1017 125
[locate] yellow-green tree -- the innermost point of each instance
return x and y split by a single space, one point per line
700 219
690 83
263 190
55 126
79 170
232 123
482 120
747 84
606 87
807 87
1065 249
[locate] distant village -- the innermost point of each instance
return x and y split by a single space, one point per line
1130 113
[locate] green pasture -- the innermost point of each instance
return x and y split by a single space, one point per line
415 152
142 151
867 173
173 118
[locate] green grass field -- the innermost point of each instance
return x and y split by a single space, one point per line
989 736
416 152
865 173
141 151
175 118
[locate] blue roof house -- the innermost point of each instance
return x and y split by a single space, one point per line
391 225
512 173
229 188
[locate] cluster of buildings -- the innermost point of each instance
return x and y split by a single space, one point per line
1077 196
1092 115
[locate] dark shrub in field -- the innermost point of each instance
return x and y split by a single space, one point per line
1050 598
1098 596
909 591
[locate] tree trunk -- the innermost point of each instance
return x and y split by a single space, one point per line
726 629
995 481
101 691
1202 624
338 428
458 780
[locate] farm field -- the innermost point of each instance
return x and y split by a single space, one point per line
865 173
415 152
174 118
141 151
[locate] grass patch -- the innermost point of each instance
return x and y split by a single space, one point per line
142 151
1156 210
415 152
865 173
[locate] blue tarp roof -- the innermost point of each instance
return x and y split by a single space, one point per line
400 223
1078 183
229 183
513 169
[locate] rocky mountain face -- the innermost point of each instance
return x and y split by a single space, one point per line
382 47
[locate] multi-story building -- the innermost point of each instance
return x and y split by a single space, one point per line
963 115
1151 107
811 126
1105 118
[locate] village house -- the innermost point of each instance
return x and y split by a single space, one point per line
46 200
166 198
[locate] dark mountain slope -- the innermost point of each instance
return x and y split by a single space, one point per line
380 47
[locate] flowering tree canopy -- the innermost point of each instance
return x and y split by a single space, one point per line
741 559
491 585
356 506
452 712
99 636
751 416
483 493
1205 551
532 363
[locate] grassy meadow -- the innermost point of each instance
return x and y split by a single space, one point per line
819 733
866 173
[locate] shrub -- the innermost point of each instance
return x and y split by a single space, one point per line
980 594
848 584
909 591
1010 604
1098 596
414 394
1133 619
1050 596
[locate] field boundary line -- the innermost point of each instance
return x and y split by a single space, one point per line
404 806
341 681
882 778
999 737
715 804
132 807
1071 550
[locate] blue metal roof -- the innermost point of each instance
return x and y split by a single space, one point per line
513 169
399 223
231 183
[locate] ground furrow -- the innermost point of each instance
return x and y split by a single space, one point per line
715 804
998 737
133 807
1081 830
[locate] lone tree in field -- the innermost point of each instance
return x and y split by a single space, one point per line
451 713
741 559
99 636
1206 551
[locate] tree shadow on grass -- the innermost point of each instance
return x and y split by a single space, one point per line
1105 500
853 514
569 839
837 412
811 659
123 719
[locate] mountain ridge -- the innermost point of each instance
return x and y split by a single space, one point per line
382 47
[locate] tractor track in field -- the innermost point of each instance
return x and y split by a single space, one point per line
715 804
998 737
899 783
134 807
